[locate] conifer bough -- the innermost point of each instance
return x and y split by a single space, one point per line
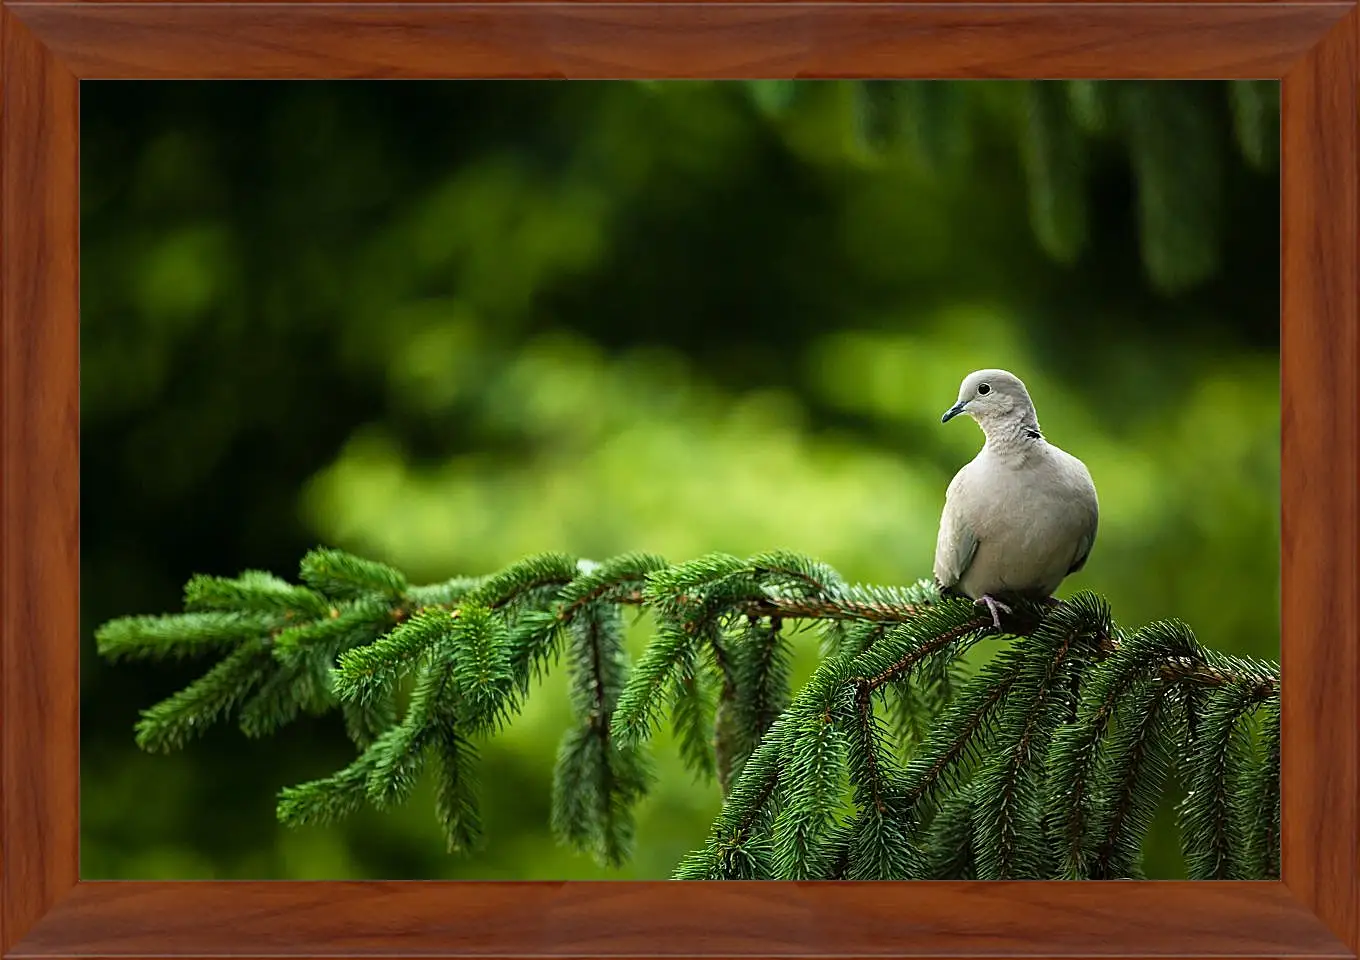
894 761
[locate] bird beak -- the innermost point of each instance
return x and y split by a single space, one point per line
953 411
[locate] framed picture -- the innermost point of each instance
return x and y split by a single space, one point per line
50 49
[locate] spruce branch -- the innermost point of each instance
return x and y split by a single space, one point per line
844 636
448 593
753 836
939 635
455 801
1134 766
721 662
279 699
891 761
691 602
1133 663
961 733
520 584
813 754
857 603
804 825
367 672
597 781
174 721
180 636
619 580
335 573
480 666
365 721
763 680
694 707
914 703
1262 801
664 665
1009 813
400 753
346 624
951 841
1213 835
254 591
738 846
881 846
895 653
328 799
880 841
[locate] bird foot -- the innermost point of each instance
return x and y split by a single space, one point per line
993 605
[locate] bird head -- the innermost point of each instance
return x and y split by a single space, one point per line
992 397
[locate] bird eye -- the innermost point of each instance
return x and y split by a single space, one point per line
984 389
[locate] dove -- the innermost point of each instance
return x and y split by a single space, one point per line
1022 514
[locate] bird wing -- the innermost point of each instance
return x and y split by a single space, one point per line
957 544
1083 551
1088 539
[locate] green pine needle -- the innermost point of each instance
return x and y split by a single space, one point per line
368 671
254 591
962 733
760 658
596 785
1076 747
347 624
366 721
1134 765
344 576
455 803
274 705
524 581
532 644
1262 801
182 635
654 680
881 847
400 753
738 846
814 773
791 574
1009 814
951 841
329 799
481 666
174 721
693 712
597 782
1213 836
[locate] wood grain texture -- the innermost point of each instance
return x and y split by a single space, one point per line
1320 356
1313 913
680 920
843 4
582 40
39 492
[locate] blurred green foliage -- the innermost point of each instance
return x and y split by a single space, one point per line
446 325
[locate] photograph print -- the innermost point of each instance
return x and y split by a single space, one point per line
513 480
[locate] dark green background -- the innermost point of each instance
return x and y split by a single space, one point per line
448 324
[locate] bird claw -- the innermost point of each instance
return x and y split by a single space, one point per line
993 605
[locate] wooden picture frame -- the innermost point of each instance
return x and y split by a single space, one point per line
47 48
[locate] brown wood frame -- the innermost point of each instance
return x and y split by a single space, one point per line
48 47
